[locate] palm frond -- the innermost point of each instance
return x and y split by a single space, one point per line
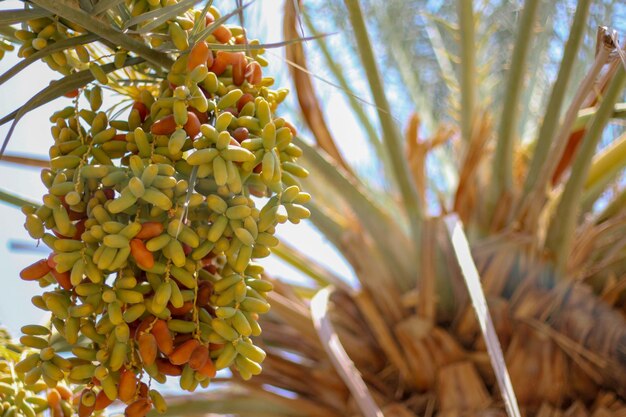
553 109
104 5
10 17
15 200
561 230
503 157
391 136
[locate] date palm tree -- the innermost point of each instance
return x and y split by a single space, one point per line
488 244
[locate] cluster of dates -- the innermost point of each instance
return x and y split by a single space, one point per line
29 397
153 223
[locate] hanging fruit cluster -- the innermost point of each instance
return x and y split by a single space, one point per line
46 31
153 225
28 397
